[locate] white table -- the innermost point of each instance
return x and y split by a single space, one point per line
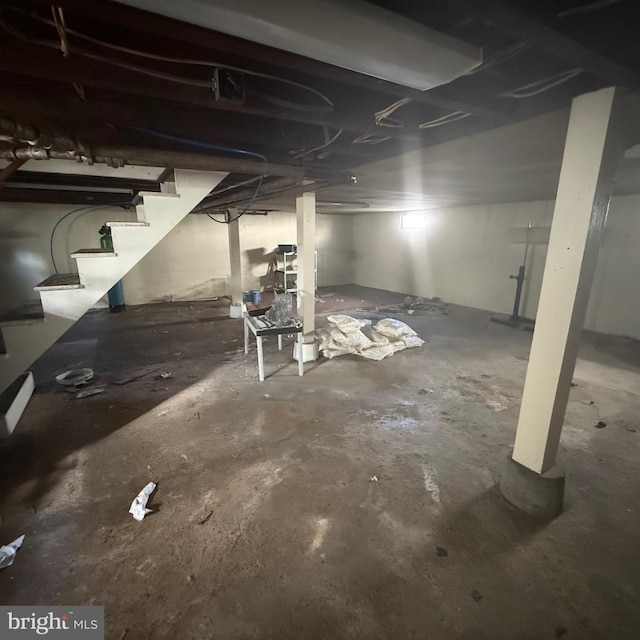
257 323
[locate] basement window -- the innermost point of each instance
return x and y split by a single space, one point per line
413 221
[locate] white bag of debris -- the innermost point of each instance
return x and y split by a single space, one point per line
394 329
344 334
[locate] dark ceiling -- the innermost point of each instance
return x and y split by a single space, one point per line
537 57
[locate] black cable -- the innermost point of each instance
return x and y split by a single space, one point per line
85 209
253 199
218 221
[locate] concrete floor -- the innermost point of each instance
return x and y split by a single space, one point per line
266 523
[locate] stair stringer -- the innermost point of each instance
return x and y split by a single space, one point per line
161 212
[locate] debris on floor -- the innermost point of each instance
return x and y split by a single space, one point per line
74 377
601 424
138 507
373 479
8 552
344 335
165 375
206 517
412 304
91 391
134 375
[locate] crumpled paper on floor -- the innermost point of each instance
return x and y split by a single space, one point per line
8 552
138 507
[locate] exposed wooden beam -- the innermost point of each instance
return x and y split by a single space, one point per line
9 170
527 28
86 183
195 122
166 28
19 58
56 196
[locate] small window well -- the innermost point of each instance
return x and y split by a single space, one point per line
413 221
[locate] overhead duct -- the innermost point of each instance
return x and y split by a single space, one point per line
351 34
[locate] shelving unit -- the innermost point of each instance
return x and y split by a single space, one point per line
286 268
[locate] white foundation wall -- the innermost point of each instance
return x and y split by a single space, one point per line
25 233
465 256
191 262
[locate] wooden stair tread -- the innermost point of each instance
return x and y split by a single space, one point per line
158 194
123 223
94 253
60 281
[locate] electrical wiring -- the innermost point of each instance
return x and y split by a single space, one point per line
587 8
200 145
86 209
218 221
214 147
318 148
152 56
251 202
231 187
370 138
446 119
383 119
540 86
125 65
61 28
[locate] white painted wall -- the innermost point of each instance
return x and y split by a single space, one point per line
191 262
465 256
25 231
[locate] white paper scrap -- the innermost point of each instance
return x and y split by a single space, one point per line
8 552
138 507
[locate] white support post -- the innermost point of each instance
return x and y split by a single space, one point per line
592 149
306 280
235 258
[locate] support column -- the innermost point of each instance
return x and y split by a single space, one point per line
306 280
592 149
235 257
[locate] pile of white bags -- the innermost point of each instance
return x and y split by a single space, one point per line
344 334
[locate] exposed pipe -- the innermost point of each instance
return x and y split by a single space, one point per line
14 131
121 156
47 144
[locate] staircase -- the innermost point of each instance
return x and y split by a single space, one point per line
67 296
